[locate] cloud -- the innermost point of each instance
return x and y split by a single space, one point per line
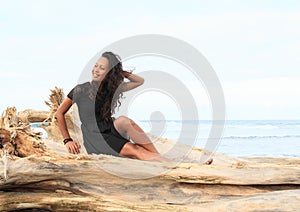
254 52
11 75
268 98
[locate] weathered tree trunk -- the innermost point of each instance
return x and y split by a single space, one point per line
39 175
32 116
106 183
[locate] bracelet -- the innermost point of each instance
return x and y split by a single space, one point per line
67 140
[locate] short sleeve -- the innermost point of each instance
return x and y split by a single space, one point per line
78 92
74 94
71 94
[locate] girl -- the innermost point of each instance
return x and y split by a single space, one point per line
96 101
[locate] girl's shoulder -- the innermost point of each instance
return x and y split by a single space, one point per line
82 87
79 90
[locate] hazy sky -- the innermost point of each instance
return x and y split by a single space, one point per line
253 46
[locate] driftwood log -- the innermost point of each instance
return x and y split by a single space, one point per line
39 175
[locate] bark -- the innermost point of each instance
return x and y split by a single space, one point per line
39 175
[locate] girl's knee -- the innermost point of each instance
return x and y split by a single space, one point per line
122 120
130 150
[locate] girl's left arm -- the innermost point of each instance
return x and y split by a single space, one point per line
134 81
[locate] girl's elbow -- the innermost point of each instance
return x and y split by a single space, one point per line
142 81
58 114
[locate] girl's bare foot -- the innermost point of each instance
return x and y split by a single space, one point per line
208 162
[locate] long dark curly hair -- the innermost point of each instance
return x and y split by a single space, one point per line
108 93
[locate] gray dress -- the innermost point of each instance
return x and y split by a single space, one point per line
99 135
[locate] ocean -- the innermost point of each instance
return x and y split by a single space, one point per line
240 138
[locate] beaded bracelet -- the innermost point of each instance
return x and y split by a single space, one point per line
67 140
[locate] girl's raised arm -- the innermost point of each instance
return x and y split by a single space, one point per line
134 81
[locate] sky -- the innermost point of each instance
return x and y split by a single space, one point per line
253 46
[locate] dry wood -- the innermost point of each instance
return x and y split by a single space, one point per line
39 175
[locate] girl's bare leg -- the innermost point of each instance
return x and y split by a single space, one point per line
138 152
126 127
143 148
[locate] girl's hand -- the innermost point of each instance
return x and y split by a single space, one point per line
126 74
134 81
73 147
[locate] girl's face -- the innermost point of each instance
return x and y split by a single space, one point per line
100 69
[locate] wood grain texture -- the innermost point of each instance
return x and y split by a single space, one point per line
39 175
